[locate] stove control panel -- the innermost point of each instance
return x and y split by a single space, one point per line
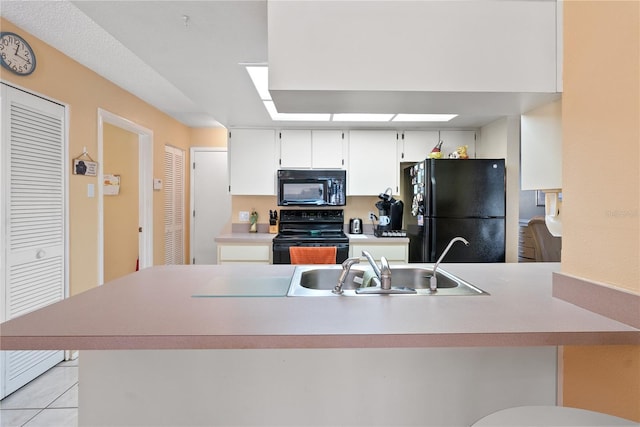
312 215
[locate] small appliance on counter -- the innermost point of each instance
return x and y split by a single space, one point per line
355 226
390 216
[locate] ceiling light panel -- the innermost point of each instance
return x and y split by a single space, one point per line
300 117
423 117
260 78
355 117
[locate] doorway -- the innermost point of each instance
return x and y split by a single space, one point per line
210 202
121 195
144 181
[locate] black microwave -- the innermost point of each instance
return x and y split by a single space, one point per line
312 187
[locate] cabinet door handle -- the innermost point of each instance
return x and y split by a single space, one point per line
40 254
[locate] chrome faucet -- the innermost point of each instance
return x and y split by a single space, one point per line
346 266
383 272
433 283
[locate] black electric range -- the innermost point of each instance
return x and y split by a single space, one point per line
310 227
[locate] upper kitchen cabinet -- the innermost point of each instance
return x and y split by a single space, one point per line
541 148
295 149
316 149
452 139
252 162
328 149
373 165
415 145
466 57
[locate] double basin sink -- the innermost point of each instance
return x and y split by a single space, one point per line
320 280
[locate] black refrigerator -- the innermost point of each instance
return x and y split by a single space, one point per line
446 198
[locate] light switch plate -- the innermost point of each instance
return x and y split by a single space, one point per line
157 184
243 216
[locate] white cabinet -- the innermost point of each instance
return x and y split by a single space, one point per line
327 149
373 163
541 145
252 162
415 145
244 253
452 139
394 252
295 149
316 149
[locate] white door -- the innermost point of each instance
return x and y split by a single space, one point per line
210 202
33 233
173 206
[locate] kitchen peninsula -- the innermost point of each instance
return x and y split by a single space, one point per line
223 345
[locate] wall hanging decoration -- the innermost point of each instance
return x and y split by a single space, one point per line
84 165
16 54
111 185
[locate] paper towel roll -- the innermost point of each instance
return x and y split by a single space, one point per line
552 210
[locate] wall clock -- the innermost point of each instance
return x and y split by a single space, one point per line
16 55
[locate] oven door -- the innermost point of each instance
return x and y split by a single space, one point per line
281 250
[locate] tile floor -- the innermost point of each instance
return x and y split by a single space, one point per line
51 400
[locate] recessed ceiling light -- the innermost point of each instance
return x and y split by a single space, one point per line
358 117
423 117
260 78
259 74
309 117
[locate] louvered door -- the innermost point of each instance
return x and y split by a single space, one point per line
33 226
173 206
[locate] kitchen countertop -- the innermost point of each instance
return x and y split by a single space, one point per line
267 238
156 308
245 238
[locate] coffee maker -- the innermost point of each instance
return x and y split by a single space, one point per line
389 215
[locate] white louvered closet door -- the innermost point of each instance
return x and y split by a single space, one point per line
33 224
173 206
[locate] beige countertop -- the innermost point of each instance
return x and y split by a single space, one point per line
155 309
245 238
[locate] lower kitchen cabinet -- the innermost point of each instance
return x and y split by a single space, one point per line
393 252
238 253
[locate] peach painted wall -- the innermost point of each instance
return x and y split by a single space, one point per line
121 216
601 200
208 137
63 79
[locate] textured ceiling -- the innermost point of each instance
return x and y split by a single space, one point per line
191 71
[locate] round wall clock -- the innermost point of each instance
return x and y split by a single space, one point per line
16 55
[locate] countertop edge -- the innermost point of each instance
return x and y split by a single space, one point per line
257 238
519 339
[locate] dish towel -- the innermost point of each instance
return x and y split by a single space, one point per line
366 278
313 254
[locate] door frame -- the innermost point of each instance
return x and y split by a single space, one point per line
145 184
192 198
